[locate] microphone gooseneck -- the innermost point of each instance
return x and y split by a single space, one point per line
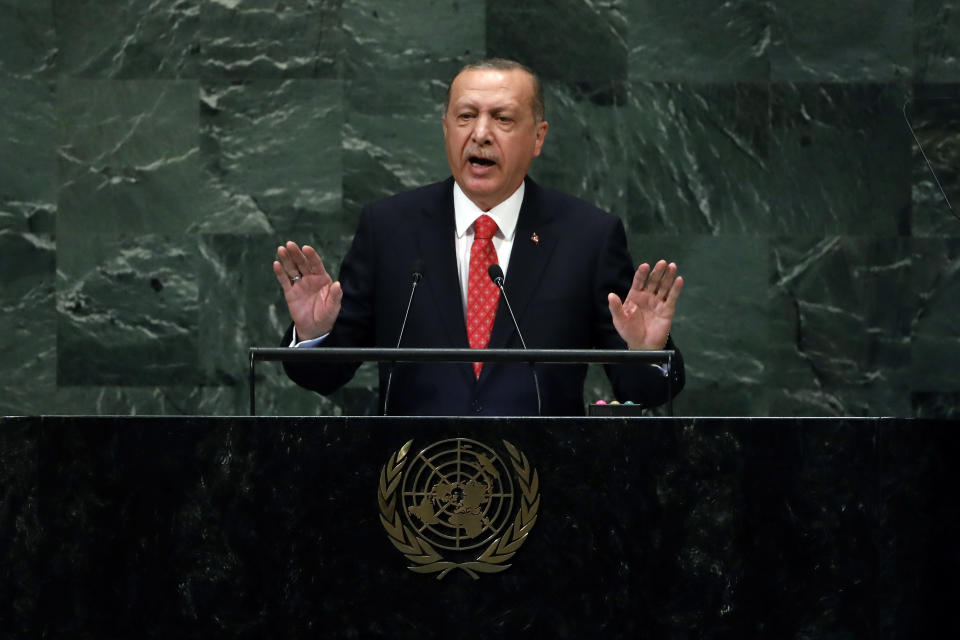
416 275
927 160
496 275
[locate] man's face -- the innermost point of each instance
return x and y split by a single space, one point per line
491 134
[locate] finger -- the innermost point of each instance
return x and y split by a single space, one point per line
287 261
656 276
313 265
674 292
640 277
666 283
282 276
296 255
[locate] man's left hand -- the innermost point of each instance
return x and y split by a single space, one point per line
644 317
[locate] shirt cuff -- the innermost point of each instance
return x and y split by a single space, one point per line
306 343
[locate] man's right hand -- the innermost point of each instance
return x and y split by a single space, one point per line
312 296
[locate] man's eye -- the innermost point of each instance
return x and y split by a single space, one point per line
465 116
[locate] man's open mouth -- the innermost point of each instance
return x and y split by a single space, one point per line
477 161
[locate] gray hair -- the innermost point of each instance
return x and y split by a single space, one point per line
503 64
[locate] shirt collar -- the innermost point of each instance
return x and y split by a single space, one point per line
504 214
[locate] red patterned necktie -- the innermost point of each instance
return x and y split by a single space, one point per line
482 294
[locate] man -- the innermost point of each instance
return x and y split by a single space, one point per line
566 266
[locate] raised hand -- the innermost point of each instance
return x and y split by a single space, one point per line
644 317
312 296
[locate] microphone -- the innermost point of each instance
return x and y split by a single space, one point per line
496 275
927 160
416 275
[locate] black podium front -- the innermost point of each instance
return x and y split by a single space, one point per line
659 528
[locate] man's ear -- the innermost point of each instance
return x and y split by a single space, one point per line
541 134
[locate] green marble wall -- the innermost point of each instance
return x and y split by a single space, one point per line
153 154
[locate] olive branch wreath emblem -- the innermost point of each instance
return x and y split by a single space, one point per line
421 553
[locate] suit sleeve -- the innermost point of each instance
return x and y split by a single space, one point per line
643 384
355 324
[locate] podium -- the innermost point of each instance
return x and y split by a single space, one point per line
242 527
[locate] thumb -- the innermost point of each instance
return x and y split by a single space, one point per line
336 293
616 307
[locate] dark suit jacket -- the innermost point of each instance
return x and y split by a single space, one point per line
558 288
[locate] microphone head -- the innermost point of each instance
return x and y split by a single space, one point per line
496 274
416 270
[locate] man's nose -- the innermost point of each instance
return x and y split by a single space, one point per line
481 130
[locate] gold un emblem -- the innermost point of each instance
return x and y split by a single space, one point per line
458 496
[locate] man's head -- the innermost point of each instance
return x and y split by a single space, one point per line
494 127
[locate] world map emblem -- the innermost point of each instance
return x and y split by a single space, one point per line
458 504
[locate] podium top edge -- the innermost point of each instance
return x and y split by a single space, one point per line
366 354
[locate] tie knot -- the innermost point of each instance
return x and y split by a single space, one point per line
484 227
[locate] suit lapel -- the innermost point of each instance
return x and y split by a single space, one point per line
438 252
533 244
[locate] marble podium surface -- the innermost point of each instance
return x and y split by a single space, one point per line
669 528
